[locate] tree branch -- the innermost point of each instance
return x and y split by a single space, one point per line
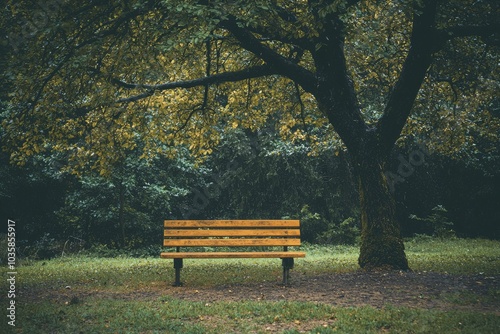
248 73
488 30
425 40
274 35
304 43
404 92
282 65
336 96
464 31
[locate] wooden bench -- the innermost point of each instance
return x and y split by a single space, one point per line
232 233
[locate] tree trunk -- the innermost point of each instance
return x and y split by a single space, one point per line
121 213
381 243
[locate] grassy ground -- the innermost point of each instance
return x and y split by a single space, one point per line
102 302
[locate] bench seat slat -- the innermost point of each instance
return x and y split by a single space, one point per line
232 233
234 255
232 223
230 242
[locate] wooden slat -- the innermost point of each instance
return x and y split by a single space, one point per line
232 233
232 223
230 242
234 255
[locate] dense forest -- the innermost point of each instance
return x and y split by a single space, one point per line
367 120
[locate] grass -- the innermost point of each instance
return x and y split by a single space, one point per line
454 256
165 314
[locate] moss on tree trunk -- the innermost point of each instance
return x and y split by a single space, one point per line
381 242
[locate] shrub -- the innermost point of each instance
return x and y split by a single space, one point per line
438 223
45 248
346 233
311 224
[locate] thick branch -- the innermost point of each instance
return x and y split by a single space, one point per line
282 65
249 73
304 43
415 67
485 31
335 95
464 31
425 41
275 35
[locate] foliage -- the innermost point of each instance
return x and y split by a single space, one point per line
30 196
311 224
438 222
246 176
97 90
127 209
262 176
466 189
346 233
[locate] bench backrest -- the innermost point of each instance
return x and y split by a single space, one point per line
231 233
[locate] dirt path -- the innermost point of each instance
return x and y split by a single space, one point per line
420 290
377 289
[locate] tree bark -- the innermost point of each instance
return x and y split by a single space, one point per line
381 242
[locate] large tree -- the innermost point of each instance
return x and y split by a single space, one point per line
92 76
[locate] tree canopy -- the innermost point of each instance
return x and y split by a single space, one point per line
95 76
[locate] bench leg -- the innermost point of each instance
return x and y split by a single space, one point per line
178 266
287 265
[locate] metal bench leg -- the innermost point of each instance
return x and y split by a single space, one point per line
178 266
287 265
